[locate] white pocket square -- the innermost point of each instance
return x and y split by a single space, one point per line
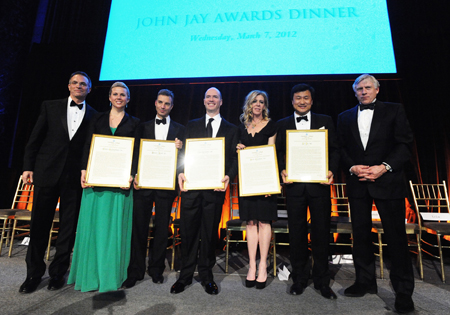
323 127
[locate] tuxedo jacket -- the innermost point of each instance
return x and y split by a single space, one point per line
197 129
99 124
317 122
50 151
390 141
147 131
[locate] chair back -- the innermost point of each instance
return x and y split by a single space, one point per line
431 201
23 198
234 201
339 200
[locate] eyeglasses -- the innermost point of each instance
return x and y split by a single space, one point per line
83 84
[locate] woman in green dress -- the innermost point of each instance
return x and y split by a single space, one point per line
102 245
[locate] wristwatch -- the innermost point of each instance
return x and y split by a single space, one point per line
388 167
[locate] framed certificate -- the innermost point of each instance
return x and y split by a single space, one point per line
157 167
307 155
258 171
204 163
110 161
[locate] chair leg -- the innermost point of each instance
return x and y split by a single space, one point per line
419 256
227 251
11 243
274 255
50 241
380 252
3 235
441 257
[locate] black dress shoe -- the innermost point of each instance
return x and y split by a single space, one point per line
157 278
326 292
177 287
211 288
404 303
260 285
358 290
250 283
30 285
56 283
129 283
297 289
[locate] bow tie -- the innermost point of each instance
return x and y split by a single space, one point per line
80 106
300 118
368 106
159 121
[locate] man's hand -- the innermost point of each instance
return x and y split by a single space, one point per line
284 176
330 178
374 172
136 184
27 177
225 180
181 180
129 183
178 144
240 146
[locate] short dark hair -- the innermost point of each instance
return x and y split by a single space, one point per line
166 92
301 88
83 74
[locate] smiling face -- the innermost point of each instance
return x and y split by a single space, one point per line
119 97
258 105
302 102
366 91
212 101
79 87
163 106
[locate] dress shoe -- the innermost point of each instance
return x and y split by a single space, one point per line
297 289
260 285
250 283
56 283
211 288
157 278
30 285
404 303
178 287
129 283
326 292
358 289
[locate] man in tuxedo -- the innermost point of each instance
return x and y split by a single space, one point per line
160 128
316 196
52 163
201 210
376 142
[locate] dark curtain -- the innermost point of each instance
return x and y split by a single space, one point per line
73 35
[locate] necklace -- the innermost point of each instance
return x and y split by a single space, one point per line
254 125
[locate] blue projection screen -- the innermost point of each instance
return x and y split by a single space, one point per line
194 39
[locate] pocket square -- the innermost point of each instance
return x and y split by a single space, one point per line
323 127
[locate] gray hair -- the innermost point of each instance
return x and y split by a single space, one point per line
122 85
363 77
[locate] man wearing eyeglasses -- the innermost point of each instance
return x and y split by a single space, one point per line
52 163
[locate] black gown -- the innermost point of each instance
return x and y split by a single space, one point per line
259 208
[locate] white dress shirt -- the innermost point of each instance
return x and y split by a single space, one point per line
74 117
161 130
364 123
215 124
303 124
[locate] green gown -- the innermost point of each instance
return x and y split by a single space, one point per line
102 246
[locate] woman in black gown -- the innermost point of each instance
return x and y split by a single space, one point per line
257 129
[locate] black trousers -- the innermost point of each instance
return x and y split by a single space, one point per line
320 210
142 213
199 220
392 214
44 204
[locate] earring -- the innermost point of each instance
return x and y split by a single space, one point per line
110 105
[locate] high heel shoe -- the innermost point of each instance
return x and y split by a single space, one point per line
250 283
260 285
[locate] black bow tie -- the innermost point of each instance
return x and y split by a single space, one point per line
80 106
367 106
159 121
300 118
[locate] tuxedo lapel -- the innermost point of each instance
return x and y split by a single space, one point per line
62 113
378 114
314 122
222 129
151 130
171 134
291 123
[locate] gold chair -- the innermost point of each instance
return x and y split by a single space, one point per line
234 224
22 200
411 229
279 226
432 204
340 214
